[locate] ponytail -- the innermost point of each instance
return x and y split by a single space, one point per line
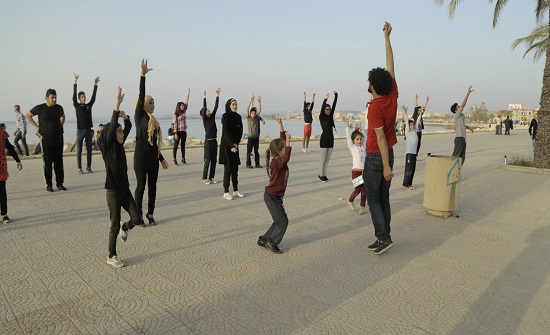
267 162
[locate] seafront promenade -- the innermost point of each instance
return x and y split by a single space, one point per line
199 270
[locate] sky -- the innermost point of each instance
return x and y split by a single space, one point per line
273 49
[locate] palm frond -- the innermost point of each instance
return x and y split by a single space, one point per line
540 11
452 6
537 41
498 8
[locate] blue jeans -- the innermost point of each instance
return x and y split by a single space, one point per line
377 189
82 134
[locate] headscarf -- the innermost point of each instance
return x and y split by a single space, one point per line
228 105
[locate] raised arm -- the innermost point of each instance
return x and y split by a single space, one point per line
218 91
349 142
250 105
389 52
312 102
405 109
322 114
281 128
426 104
75 101
418 119
140 112
334 103
259 105
92 100
465 101
204 100
187 99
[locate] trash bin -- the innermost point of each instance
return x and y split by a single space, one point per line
442 184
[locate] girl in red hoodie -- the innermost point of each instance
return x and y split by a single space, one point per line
277 170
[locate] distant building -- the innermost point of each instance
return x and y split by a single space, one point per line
524 116
516 106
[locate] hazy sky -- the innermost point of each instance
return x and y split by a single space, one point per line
275 49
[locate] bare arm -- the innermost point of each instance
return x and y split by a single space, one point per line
250 105
384 152
259 105
426 104
389 52
465 101
405 108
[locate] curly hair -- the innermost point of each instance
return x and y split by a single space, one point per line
381 80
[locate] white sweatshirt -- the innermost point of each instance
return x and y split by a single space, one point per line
357 153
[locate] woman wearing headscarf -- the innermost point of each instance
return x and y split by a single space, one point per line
232 132
147 154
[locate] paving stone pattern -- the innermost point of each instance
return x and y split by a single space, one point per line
199 271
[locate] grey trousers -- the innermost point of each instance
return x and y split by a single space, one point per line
460 148
280 221
325 158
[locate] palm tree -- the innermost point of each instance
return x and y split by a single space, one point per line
542 150
537 41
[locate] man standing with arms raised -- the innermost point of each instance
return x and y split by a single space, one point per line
51 118
377 174
460 127
84 125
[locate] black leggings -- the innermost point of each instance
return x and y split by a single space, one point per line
116 200
419 135
230 172
210 153
3 198
182 136
410 168
252 143
146 167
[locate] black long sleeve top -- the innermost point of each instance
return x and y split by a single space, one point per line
308 117
115 156
533 128
142 122
210 128
327 123
83 111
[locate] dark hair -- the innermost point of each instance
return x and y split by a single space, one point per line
308 104
381 80
253 109
50 91
17 106
454 107
101 125
356 133
178 111
416 108
411 121
81 93
2 125
275 146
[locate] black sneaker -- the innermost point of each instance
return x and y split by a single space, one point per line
61 187
183 162
6 219
321 178
273 247
249 167
259 166
325 178
261 242
383 247
175 162
374 246
49 188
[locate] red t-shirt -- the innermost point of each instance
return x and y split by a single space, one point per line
382 114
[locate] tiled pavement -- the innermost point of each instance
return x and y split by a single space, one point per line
199 271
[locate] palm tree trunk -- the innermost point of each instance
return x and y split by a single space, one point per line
542 149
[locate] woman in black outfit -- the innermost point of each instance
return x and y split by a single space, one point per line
326 118
210 139
232 132
147 154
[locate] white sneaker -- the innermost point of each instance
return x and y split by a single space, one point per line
238 194
113 261
206 181
227 196
361 210
307 150
351 206
213 181
304 149
122 235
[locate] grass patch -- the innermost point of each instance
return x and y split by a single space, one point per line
521 161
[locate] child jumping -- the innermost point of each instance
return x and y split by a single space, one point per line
356 145
116 180
5 144
412 147
277 170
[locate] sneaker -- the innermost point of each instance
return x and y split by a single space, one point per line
206 181
325 179
175 162
259 166
320 178
351 206
374 246
113 261
61 187
6 219
122 235
89 170
307 150
409 188
49 188
80 171
361 210
227 196
151 220
304 150
273 247
261 242
213 181
183 162
238 194
249 166
383 247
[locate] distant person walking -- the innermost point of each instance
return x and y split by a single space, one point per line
116 179
84 124
308 120
460 127
180 128
20 131
51 118
147 154
5 145
277 171
253 119
210 139
508 124
377 173
533 126
326 143
232 132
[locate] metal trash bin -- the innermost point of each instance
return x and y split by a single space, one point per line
442 184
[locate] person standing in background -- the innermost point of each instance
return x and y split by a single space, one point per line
84 124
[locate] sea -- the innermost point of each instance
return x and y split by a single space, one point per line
195 128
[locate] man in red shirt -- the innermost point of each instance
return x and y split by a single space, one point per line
377 174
